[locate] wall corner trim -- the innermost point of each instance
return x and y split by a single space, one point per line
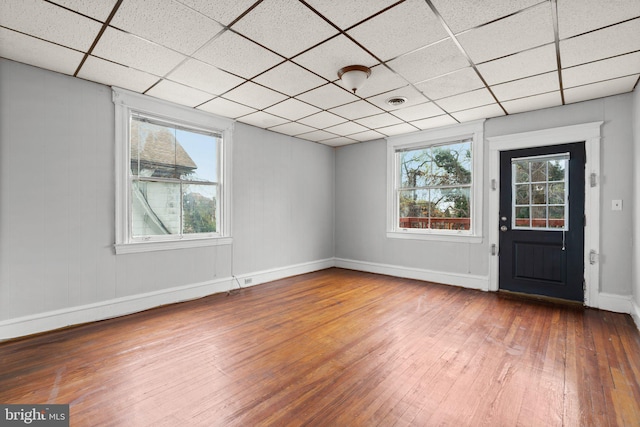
635 313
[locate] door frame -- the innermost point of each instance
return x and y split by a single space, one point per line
590 133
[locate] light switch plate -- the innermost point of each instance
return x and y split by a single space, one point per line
616 205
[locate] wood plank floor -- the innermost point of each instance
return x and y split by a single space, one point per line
338 348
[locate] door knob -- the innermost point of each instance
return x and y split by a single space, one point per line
503 228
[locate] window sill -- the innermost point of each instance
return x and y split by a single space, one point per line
131 248
449 237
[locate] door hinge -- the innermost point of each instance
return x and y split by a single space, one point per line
494 184
493 250
593 257
593 179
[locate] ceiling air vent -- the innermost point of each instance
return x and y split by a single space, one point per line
396 101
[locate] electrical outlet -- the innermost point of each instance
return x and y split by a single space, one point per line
248 281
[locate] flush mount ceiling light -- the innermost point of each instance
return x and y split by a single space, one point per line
354 76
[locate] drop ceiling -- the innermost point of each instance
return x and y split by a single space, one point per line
274 63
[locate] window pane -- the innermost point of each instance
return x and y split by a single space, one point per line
415 166
414 209
451 164
539 194
521 171
522 217
556 216
556 169
539 216
449 208
556 194
199 208
155 208
538 171
522 194
202 150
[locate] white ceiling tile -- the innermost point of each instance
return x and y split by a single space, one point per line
284 26
369 135
167 23
381 80
338 141
132 51
616 40
531 28
600 89
432 61
223 11
292 128
536 102
292 109
579 16
483 112
422 111
347 128
112 74
322 120
329 57
262 120
347 13
230 51
379 120
413 98
49 22
317 135
178 93
464 14
601 70
255 96
434 122
529 86
327 96
356 110
225 108
523 64
204 77
460 81
466 100
397 129
99 10
289 78
29 50
399 30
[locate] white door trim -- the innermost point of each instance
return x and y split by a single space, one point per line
590 133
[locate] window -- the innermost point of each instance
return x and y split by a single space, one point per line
539 190
434 189
172 183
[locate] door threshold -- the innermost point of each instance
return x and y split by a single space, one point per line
540 298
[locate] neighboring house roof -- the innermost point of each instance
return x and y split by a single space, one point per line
160 148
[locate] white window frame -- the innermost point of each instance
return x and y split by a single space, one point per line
448 134
126 103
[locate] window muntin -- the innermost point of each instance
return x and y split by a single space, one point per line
435 184
539 193
174 179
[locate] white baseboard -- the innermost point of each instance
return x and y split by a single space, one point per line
615 303
635 313
457 279
56 319
41 322
264 276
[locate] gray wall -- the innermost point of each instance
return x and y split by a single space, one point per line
361 198
57 208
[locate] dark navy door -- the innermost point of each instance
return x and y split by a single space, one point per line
542 221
